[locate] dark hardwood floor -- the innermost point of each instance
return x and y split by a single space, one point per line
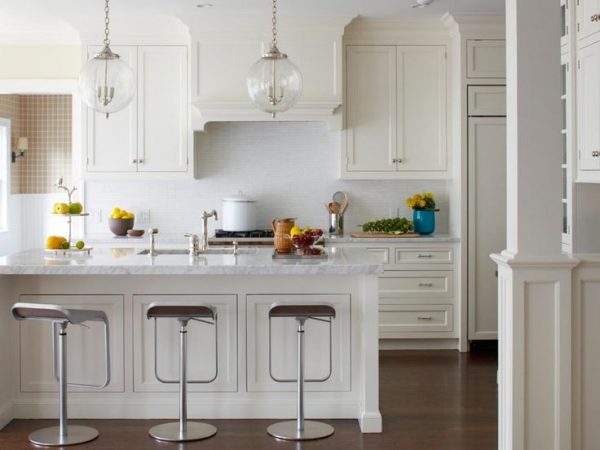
430 400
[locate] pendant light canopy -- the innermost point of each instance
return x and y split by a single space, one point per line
106 83
274 82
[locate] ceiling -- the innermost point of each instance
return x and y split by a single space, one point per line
28 17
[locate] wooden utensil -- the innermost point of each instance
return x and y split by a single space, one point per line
344 205
334 208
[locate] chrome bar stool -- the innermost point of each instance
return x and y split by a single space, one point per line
61 317
183 430
300 429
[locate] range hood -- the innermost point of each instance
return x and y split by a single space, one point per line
222 52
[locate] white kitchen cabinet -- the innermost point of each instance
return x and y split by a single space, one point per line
588 18
486 101
371 108
418 298
487 209
85 345
395 112
588 106
201 345
486 58
284 347
151 136
163 103
112 142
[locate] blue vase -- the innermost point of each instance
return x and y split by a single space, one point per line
424 221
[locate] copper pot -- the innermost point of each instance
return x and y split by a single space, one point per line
281 229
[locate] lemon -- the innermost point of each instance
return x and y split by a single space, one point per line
295 231
61 208
115 216
116 211
80 244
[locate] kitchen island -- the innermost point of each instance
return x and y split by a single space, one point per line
241 287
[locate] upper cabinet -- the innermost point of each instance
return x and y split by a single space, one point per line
152 135
486 58
588 113
588 18
395 112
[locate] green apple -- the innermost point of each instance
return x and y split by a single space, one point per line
75 208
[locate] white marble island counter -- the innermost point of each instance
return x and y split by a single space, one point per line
128 261
123 283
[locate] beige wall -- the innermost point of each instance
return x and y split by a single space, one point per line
40 61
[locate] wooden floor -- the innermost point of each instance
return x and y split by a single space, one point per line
438 400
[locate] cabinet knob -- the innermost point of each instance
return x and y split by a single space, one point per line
595 154
140 161
396 160
134 161
595 18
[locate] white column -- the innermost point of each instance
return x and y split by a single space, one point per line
534 279
533 127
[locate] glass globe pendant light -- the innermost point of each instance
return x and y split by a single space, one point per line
274 82
106 83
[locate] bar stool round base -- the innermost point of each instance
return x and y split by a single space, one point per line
51 437
288 430
170 432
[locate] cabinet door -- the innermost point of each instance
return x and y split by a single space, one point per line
283 344
203 362
112 141
371 108
421 112
85 345
162 109
587 20
588 105
486 58
487 209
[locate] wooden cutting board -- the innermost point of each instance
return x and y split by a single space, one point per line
362 234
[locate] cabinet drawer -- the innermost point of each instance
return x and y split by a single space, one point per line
414 318
426 284
423 256
382 254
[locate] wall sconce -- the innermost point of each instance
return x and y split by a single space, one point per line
22 146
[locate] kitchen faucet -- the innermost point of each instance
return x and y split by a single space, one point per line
205 216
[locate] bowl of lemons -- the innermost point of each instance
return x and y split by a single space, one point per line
120 221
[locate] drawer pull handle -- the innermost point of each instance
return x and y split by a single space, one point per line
420 255
424 318
595 18
425 284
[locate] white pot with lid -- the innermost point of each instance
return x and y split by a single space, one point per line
239 213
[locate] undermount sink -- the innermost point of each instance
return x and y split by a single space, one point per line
208 251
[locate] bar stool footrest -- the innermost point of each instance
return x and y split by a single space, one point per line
288 430
169 432
50 437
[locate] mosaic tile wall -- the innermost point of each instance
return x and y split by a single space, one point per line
47 123
10 108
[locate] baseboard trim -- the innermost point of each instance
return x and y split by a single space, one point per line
419 344
7 413
131 408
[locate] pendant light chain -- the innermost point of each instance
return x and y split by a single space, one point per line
274 21
106 24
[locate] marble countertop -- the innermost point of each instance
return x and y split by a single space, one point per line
178 239
127 261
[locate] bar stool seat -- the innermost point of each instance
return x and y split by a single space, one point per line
300 429
64 434
183 430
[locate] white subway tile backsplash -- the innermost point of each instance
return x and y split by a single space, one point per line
290 168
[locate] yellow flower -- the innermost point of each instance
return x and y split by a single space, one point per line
428 195
421 203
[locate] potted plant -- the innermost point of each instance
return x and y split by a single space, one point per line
423 206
